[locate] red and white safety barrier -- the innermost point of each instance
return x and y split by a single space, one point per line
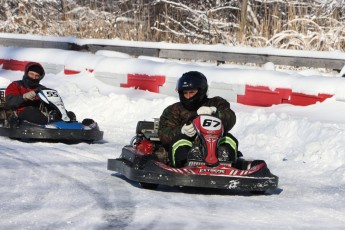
244 94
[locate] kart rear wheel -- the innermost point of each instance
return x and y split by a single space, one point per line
148 185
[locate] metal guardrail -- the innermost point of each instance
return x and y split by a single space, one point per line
25 43
335 64
178 53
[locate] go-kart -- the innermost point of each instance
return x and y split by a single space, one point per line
145 161
62 125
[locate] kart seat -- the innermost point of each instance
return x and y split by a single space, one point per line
149 129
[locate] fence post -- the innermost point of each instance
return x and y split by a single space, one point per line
243 19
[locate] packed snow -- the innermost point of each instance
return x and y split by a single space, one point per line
60 186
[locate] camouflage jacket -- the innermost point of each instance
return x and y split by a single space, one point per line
175 116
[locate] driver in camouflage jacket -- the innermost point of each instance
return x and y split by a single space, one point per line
176 136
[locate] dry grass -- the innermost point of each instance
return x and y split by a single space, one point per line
303 25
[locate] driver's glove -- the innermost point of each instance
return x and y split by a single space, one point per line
188 130
29 96
206 110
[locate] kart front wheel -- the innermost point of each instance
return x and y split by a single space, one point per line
148 185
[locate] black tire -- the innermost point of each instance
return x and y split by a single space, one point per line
148 185
87 121
258 192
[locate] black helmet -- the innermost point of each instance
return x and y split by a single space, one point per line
192 80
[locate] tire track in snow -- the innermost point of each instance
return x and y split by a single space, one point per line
115 212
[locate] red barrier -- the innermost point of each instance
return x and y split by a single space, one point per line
71 71
263 96
14 65
144 82
305 99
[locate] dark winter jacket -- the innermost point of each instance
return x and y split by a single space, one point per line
14 92
175 116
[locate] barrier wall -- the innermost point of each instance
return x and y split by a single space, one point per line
244 94
263 96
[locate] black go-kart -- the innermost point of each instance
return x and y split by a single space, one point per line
62 126
145 161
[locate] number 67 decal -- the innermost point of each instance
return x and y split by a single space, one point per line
211 123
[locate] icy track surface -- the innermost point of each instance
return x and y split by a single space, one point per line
59 186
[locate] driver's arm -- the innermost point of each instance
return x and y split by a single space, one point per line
169 125
14 98
225 113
